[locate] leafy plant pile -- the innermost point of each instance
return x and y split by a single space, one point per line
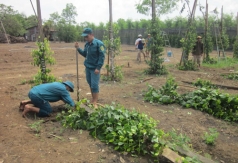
126 130
204 83
233 76
211 136
165 95
211 101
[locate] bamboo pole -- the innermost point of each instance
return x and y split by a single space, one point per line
206 28
112 64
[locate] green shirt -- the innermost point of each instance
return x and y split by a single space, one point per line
94 54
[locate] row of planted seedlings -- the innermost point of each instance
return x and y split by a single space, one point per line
206 98
126 130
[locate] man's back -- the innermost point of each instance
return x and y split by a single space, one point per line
51 92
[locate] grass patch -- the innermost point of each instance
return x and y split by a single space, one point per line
229 62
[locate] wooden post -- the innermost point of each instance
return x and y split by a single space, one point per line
237 26
40 32
41 39
190 20
153 10
206 28
5 32
153 21
112 65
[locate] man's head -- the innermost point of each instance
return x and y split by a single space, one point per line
139 36
199 38
148 35
69 86
88 34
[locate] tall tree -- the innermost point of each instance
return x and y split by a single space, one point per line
69 13
161 6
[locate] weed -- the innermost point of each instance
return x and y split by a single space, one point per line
233 76
211 136
36 126
178 139
23 82
229 62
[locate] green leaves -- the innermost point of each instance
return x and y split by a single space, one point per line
126 130
206 99
211 136
162 6
165 95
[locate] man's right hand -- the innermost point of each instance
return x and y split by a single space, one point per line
76 45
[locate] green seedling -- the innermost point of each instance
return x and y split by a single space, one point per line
211 136
36 126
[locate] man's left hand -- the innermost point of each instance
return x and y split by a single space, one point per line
96 71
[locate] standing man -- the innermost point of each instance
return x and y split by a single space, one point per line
198 51
93 52
148 44
140 44
136 44
42 94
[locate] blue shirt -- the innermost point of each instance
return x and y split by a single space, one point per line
94 54
53 92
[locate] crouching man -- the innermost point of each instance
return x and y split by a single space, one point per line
42 94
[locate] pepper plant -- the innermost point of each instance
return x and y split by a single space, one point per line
156 48
43 54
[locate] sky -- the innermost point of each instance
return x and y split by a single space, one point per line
97 11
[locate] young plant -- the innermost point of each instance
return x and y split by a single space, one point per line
114 71
211 136
36 126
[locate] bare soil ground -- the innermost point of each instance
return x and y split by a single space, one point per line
56 144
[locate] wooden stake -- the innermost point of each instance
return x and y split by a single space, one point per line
5 32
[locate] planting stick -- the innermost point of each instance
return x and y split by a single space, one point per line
77 75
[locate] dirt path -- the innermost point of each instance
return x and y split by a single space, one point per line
20 145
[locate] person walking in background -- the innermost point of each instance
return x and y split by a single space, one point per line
140 45
148 44
94 53
198 51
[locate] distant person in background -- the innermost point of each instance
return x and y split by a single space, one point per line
198 51
148 44
140 45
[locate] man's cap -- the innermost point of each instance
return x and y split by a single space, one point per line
199 37
87 31
139 35
70 84
148 34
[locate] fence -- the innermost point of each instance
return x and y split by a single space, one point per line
128 36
